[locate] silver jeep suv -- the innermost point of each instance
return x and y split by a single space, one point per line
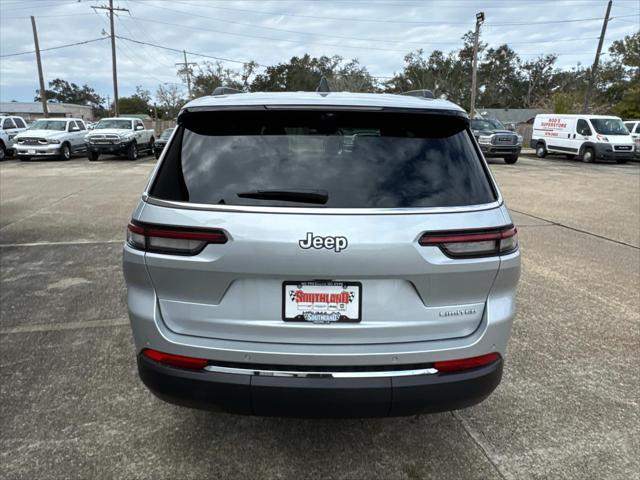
321 254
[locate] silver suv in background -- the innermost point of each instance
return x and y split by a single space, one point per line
51 138
321 254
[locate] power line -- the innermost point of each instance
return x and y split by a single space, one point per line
53 48
315 43
341 37
377 20
548 22
151 38
222 59
146 50
40 6
263 37
49 16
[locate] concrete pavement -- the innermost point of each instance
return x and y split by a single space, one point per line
73 407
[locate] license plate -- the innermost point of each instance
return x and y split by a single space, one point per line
32 152
321 301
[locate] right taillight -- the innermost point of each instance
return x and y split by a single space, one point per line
171 240
449 366
486 243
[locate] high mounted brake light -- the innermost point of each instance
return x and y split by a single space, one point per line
171 240
485 243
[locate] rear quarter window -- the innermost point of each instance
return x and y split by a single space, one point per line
357 159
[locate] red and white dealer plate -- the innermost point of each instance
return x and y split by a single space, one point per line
321 301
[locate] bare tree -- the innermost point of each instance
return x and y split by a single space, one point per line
170 100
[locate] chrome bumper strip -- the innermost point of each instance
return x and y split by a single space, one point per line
311 374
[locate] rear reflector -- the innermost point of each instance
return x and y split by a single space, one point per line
175 360
171 240
465 363
474 244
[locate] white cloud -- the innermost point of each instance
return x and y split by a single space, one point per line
247 30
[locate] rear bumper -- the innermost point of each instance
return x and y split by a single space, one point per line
320 397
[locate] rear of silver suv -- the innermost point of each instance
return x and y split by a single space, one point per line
321 255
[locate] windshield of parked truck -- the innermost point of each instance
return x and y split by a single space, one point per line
487 124
609 126
332 159
59 125
114 123
166 134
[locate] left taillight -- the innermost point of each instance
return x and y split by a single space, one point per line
171 240
461 244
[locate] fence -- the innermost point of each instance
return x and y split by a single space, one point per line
160 126
525 129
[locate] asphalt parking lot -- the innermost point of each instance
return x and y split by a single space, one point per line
73 407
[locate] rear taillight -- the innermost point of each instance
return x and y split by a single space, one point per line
484 243
449 366
178 361
171 240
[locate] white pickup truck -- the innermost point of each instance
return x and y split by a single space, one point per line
51 138
10 126
119 136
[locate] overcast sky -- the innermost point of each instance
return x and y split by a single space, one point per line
377 32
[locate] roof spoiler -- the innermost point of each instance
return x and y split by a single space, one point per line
226 91
420 93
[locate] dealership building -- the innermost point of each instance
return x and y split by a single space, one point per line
33 110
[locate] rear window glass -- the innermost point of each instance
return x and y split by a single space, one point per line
323 159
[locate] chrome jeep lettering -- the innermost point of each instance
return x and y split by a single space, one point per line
336 244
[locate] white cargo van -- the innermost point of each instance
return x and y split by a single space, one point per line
592 137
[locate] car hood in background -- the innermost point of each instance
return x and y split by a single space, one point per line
110 131
491 132
41 134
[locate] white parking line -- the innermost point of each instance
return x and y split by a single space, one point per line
54 327
75 242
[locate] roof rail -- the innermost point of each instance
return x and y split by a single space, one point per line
420 93
225 91
323 86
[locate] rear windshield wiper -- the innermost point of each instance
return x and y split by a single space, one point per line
302 196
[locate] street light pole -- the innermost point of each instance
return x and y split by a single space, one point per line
479 21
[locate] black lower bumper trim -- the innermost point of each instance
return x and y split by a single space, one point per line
491 152
320 397
115 148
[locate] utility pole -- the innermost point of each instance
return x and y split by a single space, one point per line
43 93
111 9
596 61
479 21
185 68
109 105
